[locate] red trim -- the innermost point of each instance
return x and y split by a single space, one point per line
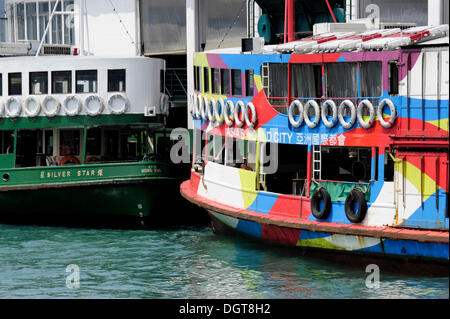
331 11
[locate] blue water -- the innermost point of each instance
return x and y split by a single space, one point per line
182 263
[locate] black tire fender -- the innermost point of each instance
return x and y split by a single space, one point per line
317 197
352 197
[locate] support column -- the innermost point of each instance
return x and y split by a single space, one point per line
191 47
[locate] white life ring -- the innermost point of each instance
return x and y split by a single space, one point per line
193 102
316 113
13 107
380 113
2 107
93 105
50 106
251 122
325 106
228 113
32 106
239 109
72 105
210 111
361 106
347 103
296 104
118 103
219 114
195 109
204 107
164 104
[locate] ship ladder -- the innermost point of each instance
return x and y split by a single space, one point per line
317 162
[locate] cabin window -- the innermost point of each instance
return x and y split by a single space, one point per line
62 82
69 142
306 81
93 141
15 84
236 152
388 166
249 82
341 80
48 142
206 80
285 166
215 81
225 81
86 81
371 79
6 142
350 164
197 78
38 82
236 84
116 81
132 144
393 77
278 83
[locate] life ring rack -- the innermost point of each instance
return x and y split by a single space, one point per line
325 105
365 104
211 109
315 106
219 114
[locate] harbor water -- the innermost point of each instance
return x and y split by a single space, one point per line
60 262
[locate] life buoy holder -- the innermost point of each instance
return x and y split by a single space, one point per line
296 104
32 106
118 103
51 106
204 107
93 105
365 104
13 107
72 105
228 113
69 160
315 106
211 113
239 113
355 196
342 106
321 195
219 113
325 105
393 116
250 121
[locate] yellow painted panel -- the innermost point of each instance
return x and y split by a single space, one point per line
442 123
248 186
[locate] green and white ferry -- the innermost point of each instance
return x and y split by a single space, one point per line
82 138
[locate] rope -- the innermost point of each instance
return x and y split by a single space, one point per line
231 26
121 22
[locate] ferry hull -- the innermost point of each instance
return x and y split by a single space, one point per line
383 243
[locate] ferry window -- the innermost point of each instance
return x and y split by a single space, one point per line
225 81
249 82
278 83
116 81
15 84
93 141
371 79
111 144
162 83
236 84
236 152
206 80
131 144
388 166
350 164
86 81
48 142
215 81
341 80
62 82
306 80
6 142
31 21
69 142
38 82
393 77
196 78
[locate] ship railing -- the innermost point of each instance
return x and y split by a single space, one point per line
176 84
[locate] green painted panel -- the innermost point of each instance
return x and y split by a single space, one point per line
7 160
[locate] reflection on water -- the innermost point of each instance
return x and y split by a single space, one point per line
187 263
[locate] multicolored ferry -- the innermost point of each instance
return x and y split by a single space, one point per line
337 142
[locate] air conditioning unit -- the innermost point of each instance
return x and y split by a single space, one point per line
52 49
253 45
